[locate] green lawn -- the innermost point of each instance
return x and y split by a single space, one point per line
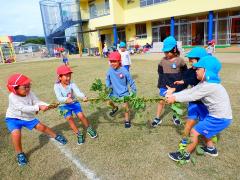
118 153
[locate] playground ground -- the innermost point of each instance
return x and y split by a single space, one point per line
118 153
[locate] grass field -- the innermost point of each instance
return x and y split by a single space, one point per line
118 153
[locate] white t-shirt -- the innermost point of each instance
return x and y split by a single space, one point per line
23 108
125 56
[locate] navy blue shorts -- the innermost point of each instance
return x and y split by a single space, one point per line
162 92
211 126
14 123
197 111
70 108
65 60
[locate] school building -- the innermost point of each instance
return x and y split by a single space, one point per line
194 22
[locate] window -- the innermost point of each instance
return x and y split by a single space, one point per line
150 2
141 30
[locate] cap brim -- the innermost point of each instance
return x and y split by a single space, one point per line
28 81
198 65
167 49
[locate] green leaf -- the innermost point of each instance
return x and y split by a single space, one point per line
193 160
199 150
215 139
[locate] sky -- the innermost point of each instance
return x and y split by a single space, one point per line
20 17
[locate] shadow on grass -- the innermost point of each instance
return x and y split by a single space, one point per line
134 76
62 174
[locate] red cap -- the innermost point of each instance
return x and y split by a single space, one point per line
17 80
63 69
115 56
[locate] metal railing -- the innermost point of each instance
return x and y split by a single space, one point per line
99 10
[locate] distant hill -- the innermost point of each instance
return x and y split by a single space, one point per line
22 38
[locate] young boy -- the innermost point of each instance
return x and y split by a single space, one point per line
211 47
65 57
215 98
118 79
22 108
125 56
196 109
66 91
170 69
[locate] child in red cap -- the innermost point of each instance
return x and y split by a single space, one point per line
66 93
22 108
118 78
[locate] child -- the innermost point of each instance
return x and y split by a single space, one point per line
170 69
22 108
66 91
196 109
211 47
118 78
105 51
65 58
215 98
125 56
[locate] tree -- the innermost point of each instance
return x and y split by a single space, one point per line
39 40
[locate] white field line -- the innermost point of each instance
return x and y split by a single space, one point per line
75 160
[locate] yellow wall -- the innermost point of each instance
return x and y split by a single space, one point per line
122 13
134 13
131 34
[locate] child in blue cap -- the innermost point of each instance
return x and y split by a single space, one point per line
196 109
215 98
125 56
170 69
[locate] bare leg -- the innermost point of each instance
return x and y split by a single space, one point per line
16 139
72 124
110 103
188 126
208 142
42 128
83 119
194 141
127 111
160 107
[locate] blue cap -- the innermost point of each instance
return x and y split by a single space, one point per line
212 68
197 52
169 43
122 44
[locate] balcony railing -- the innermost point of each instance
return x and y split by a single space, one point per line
98 10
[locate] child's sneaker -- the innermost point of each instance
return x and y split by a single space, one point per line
210 151
127 124
22 159
156 122
91 132
177 156
113 112
176 121
61 139
80 138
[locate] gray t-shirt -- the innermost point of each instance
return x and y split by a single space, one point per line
214 96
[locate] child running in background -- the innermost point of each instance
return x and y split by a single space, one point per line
118 79
215 98
66 92
22 108
65 57
125 56
196 110
211 47
170 69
